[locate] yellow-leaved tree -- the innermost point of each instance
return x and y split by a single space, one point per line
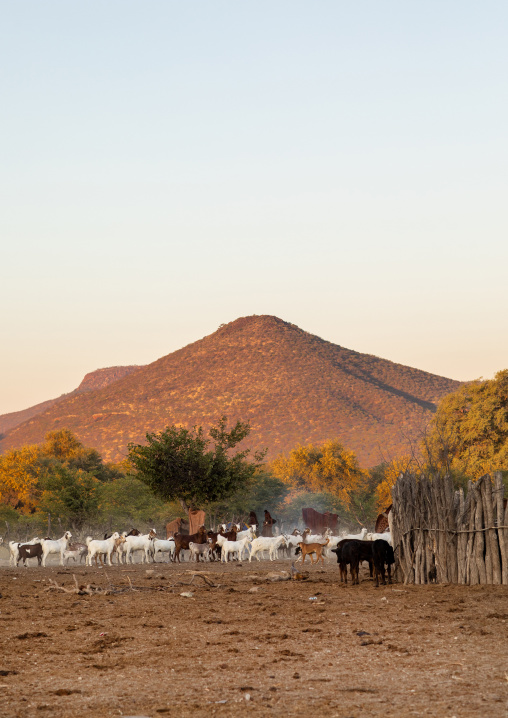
20 470
469 433
328 467
390 473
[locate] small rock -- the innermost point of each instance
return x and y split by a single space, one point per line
254 589
187 594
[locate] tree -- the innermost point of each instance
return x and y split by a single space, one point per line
182 464
20 470
328 468
127 499
70 494
262 491
469 432
385 476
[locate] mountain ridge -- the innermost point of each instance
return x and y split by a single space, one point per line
293 386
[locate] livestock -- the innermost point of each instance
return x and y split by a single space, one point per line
199 549
309 549
163 546
75 550
228 547
139 543
382 553
354 537
58 547
249 533
96 547
385 536
315 538
182 542
29 550
14 550
352 551
266 543
383 520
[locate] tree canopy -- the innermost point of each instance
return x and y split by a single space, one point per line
469 432
326 468
186 465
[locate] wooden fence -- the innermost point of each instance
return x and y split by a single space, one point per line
441 535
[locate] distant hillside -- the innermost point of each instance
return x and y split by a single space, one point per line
93 380
292 386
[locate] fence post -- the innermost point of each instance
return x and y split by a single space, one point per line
502 533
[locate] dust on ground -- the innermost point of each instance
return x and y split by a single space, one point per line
248 646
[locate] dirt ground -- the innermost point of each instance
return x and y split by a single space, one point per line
248 646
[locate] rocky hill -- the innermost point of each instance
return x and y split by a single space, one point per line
93 380
292 386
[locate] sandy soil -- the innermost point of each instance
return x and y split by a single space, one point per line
248 646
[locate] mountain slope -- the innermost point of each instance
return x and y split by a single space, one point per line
292 386
93 380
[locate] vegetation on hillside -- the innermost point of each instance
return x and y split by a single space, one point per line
71 483
291 386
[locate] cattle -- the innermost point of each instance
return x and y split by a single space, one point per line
382 553
351 551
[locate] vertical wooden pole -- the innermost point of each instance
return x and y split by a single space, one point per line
502 534
491 535
479 539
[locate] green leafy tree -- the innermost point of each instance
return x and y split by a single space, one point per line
70 494
184 465
263 491
127 499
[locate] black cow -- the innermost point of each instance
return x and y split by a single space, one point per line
382 553
352 551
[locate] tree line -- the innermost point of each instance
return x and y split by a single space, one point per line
179 468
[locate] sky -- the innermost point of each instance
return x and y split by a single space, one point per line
169 166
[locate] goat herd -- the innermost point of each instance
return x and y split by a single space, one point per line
224 545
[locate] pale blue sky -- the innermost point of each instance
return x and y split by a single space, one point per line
169 166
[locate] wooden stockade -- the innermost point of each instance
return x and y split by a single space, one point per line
441 535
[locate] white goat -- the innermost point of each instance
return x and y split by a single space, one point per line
14 550
316 538
199 549
248 533
267 543
97 548
74 551
355 537
228 547
163 546
293 541
139 543
60 546
386 536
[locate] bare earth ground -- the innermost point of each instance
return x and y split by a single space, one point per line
229 651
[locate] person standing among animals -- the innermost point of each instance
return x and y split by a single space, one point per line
253 520
267 524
